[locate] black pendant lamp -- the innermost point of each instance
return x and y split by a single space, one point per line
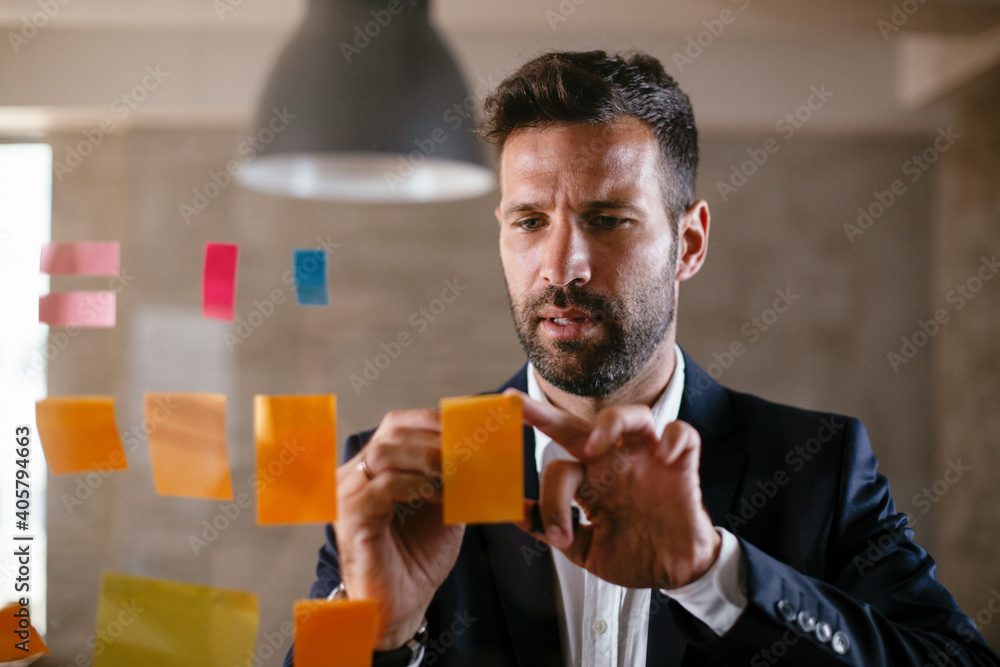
366 104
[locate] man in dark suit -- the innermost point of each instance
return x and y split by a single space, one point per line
717 528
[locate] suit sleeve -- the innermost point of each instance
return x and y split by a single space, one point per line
879 602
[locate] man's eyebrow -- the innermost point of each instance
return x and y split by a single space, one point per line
614 204
522 207
592 205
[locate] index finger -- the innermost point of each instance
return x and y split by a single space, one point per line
428 419
633 424
568 430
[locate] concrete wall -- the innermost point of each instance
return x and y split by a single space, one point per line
781 230
966 360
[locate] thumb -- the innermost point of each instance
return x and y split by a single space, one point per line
577 550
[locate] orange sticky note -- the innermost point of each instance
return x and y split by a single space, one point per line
482 459
296 458
78 434
20 638
187 443
336 632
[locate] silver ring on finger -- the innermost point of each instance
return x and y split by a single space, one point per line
363 467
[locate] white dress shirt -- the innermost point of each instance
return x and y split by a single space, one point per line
604 625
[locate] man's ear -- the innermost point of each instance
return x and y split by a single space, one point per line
692 239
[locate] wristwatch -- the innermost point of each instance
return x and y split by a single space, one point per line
409 654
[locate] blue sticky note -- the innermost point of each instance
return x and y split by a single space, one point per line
310 277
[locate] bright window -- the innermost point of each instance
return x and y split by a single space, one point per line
25 224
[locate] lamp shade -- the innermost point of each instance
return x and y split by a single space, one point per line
366 104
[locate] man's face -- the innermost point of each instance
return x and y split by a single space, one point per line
588 252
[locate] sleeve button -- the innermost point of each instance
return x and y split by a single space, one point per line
806 621
823 632
840 643
785 610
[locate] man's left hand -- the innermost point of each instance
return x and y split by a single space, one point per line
640 490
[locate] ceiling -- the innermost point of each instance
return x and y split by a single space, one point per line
584 16
760 65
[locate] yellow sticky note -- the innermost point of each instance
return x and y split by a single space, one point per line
21 640
187 444
78 434
482 459
157 623
296 458
340 632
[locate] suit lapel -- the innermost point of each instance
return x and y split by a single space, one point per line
523 573
706 406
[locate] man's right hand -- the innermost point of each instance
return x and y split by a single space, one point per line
397 559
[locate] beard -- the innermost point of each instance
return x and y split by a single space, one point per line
633 323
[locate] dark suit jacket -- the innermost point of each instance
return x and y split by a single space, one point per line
817 527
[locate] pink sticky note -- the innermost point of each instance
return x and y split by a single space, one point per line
220 281
84 258
77 309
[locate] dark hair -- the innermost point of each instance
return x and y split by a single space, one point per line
595 88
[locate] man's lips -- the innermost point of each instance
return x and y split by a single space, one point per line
562 324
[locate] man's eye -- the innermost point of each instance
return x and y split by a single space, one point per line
609 222
529 224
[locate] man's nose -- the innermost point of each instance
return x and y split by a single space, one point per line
567 256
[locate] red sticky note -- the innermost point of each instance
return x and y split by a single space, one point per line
338 633
78 309
78 434
296 458
482 459
219 296
82 258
